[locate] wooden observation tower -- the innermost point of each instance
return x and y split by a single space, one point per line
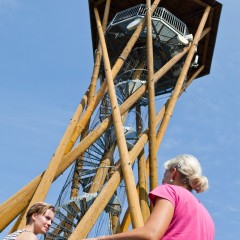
142 50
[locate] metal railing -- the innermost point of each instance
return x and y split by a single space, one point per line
160 14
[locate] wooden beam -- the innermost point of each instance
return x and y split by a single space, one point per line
126 219
151 101
131 192
142 174
19 201
183 74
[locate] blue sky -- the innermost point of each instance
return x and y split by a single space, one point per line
45 67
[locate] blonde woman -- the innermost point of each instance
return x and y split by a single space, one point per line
177 214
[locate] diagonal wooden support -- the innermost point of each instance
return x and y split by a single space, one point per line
91 94
126 166
116 68
19 201
126 219
168 108
95 210
105 195
97 207
183 74
49 174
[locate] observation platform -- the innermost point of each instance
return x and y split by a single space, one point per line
188 11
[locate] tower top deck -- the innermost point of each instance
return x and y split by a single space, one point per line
188 11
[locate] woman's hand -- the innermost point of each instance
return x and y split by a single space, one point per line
89 239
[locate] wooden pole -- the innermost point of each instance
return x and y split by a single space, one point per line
183 74
22 200
104 167
49 174
102 171
204 56
194 76
151 102
21 216
15 204
98 58
105 195
115 224
126 219
92 88
116 68
131 192
142 175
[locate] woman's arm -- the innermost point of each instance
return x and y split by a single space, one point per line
155 227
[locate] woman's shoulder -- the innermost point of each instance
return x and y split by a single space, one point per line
170 192
26 235
165 191
169 187
173 188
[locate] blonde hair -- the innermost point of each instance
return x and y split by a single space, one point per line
190 168
39 208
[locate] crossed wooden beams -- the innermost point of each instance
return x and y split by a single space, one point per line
66 153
